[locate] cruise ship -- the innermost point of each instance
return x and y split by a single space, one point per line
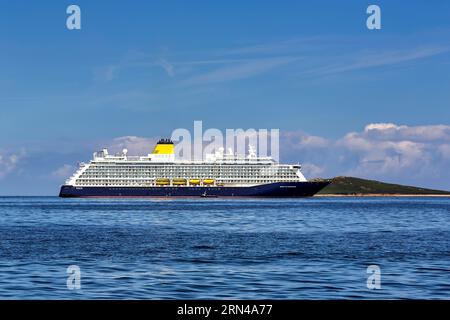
160 174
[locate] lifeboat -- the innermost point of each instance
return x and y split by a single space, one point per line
162 182
179 182
208 181
194 181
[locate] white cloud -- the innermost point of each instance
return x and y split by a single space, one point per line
239 71
390 131
63 172
135 145
316 56
106 74
301 140
364 60
444 149
9 161
381 126
168 67
388 149
312 170
384 151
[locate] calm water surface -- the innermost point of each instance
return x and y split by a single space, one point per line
316 248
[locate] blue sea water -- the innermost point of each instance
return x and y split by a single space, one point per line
316 248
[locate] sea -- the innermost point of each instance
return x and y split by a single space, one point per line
212 248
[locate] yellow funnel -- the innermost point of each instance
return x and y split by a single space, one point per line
164 146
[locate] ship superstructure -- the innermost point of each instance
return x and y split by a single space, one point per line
161 174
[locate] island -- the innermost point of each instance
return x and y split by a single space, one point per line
351 186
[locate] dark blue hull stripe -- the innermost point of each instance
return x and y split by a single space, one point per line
278 189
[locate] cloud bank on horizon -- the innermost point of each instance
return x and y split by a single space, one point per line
414 155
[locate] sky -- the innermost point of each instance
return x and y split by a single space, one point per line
347 100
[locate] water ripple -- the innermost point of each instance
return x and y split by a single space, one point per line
224 249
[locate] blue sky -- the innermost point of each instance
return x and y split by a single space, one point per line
144 68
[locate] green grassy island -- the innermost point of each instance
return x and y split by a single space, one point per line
348 186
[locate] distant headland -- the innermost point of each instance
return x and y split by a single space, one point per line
351 186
